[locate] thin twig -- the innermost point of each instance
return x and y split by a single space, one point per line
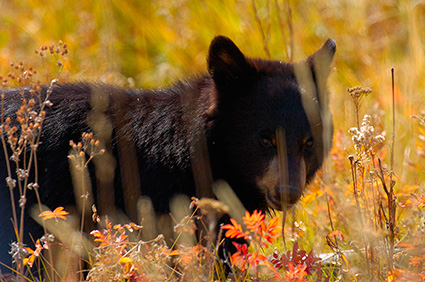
330 218
282 28
6 157
393 134
355 189
291 31
260 26
391 198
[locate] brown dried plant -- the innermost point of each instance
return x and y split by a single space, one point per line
20 138
371 184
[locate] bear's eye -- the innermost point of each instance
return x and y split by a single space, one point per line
268 141
309 143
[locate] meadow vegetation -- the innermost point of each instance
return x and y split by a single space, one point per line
363 215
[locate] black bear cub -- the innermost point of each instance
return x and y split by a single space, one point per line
262 126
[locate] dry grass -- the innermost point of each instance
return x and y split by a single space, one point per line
365 210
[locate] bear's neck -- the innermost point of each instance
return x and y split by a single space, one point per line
170 126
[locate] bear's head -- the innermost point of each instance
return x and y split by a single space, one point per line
273 126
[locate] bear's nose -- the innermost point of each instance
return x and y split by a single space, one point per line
289 194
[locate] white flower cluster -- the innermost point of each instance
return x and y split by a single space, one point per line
363 138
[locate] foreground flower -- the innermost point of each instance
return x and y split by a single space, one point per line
34 253
59 212
259 233
246 260
296 273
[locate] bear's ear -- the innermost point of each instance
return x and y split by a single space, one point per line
226 63
320 62
312 76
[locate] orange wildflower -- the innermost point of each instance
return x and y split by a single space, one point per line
234 230
34 253
59 212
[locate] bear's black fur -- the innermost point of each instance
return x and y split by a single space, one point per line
158 140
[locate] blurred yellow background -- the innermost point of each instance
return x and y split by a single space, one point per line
153 43
156 42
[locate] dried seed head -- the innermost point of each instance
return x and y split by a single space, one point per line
22 201
48 103
11 182
357 93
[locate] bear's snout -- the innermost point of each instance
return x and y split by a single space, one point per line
280 191
289 194
284 196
